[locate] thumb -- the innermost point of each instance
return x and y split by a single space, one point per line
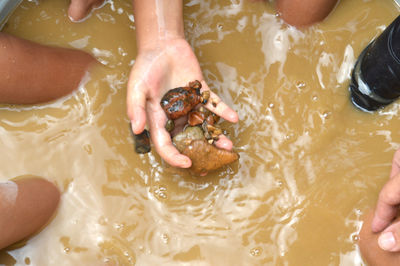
136 104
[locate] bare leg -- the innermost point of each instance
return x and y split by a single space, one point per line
26 205
34 73
304 12
371 252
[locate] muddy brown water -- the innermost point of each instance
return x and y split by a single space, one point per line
310 163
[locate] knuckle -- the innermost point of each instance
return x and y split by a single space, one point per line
390 197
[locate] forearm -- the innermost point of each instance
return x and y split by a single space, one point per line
33 73
157 22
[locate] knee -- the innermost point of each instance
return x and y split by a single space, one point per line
300 13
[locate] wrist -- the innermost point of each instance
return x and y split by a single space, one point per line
159 43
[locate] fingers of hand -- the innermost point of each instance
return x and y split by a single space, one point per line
386 208
162 139
217 106
395 164
136 103
389 239
224 143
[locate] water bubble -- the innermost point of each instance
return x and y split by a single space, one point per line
118 226
271 105
67 250
326 114
355 238
255 252
161 192
165 238
300 85
289 136
220 26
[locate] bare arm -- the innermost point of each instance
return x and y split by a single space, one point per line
33 73
165 60
157 22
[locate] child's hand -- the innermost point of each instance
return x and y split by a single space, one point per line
79 9
157 70
387 209
372 254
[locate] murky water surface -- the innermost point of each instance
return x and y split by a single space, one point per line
310 163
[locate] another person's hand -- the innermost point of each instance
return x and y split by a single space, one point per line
80 9
372 254
157 69
387 210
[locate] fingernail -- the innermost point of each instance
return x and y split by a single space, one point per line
134 124
186 163
233 117
387 241
226 145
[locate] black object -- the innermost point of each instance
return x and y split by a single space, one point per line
375 80
142 141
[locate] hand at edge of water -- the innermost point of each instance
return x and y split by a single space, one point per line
372 254
170 65
387 210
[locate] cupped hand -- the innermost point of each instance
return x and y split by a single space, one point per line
387 210
168 65
79 9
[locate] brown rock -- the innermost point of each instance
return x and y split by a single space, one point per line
195 118
205 157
